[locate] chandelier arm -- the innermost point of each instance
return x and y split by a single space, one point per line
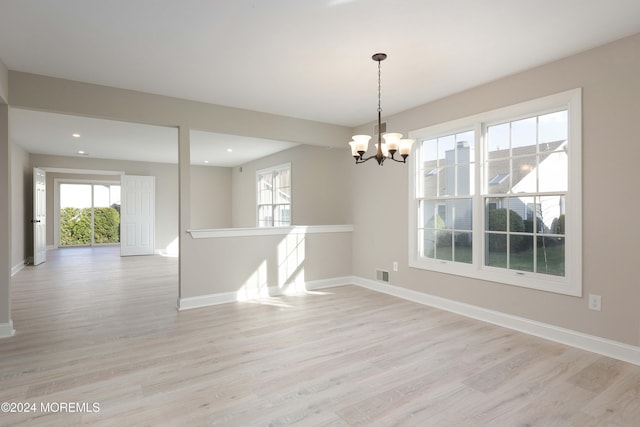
380 160
404 158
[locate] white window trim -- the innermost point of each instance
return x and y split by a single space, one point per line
284 166
571 283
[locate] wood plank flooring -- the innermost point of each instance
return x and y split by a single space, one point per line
96 328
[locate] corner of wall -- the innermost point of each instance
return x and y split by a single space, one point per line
4 83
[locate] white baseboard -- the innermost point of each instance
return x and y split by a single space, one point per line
605 347
227 297
6 330
19 266
614 349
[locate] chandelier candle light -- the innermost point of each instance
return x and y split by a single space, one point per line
393 142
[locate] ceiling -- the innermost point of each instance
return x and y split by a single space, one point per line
309 59
51 133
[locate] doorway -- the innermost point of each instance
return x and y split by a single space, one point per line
89 214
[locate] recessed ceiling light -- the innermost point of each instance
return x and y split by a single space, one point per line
83 153
76 135
206 161
229 150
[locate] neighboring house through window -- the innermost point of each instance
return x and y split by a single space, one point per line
497 196
274 196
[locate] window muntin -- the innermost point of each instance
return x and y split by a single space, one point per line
274 196
524 185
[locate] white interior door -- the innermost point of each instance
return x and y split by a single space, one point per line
137 215
39 216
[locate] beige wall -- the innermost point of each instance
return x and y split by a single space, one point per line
609 76
21 179
166 188
321 186
211 197
243 264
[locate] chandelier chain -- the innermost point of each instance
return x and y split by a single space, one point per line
379 86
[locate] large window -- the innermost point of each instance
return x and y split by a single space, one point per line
497 196
89 214
274 196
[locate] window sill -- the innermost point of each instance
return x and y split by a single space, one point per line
523 279
269 231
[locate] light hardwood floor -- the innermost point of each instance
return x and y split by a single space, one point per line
96 328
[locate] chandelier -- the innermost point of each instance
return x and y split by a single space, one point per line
393 142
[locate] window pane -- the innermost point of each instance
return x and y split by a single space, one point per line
75 214
498 141
430 151
551 256
106 215
265 188
429 241
430 181
496 250
428 215
444 245
463 212
465 179
265 216
445 215
521 252
466 140
552 127
523 174
282 215
517 213
446 150
463 251
523 136
283 195
101 195
447 181
282 181
551 214
75 195
496 214
554 172
498 177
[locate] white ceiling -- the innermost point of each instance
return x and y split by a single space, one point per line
50 133
303 58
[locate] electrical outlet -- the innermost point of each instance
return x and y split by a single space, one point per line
595 302
395 265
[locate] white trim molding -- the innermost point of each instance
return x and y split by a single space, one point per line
271 291
605 347
18 267
594 344
269 231
6 329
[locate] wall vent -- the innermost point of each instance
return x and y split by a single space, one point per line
382 275
383 128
